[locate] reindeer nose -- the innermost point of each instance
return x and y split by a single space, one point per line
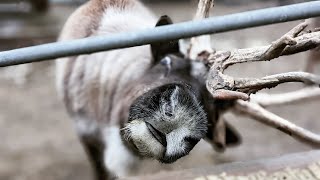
161 137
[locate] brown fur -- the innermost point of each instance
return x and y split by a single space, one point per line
86 19
82 23
94 87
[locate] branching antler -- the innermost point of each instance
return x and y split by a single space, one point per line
225 87
200 49
221 85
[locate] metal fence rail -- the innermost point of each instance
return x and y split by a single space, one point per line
170 32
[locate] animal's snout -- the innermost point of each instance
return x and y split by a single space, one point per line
161 137
183 149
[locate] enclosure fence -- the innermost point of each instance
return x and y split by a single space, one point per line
164 33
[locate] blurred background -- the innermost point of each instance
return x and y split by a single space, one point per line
37 139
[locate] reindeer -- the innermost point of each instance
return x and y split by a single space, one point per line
135 104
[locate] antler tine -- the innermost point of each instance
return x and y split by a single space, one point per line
265 100
257 112
200 47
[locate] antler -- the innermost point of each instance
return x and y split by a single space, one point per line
257 112
200 47
226 87
223 86
305 94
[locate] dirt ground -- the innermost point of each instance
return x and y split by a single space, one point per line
38 141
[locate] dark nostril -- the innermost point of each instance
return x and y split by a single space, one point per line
161 137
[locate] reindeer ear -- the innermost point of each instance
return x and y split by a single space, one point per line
164 20
161 49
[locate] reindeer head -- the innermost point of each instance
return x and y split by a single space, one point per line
167 121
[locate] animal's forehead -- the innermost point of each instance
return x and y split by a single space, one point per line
180 119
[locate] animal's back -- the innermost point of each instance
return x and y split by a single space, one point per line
91 85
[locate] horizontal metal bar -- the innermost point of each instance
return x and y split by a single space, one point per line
164 33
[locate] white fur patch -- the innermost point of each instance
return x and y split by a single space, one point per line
142 137
117 158
175 139
121 162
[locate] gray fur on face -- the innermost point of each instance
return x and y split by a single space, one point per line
165 123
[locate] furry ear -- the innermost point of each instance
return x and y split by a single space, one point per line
164 20
161 49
